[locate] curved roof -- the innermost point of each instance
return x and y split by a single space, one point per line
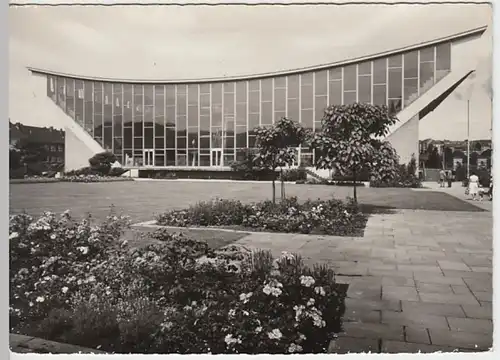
183 44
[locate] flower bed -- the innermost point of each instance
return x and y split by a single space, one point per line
332 217
75 282
75 178
34 180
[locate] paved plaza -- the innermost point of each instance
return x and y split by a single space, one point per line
419 280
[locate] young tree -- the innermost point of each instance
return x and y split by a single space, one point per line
347 142
276 146
102 162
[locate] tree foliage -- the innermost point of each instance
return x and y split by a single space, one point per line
277 144
101 162
347 142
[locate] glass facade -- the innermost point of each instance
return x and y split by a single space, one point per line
211 124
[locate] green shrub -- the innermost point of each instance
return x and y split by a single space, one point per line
293 175
332 217
101 162
85 286
406 177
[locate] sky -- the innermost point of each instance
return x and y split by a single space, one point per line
172 43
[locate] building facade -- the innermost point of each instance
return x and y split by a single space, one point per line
157 124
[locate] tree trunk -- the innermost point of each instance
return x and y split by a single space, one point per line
282 186
355 193
274 190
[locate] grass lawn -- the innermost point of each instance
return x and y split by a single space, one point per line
142 199
140 236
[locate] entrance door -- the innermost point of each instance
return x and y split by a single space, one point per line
148 157
216 157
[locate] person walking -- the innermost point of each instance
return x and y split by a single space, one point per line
449 178
442 176
473 186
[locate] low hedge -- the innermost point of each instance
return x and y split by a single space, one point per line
77 282
74 178
332 217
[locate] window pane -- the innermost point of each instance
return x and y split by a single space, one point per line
427 54
229 87
443 57
320 107
70 97
306 97
254 102
379 95
335 74
396 61
267 89
267 113
170 95
193 115
241 137
349 98
280 82
411 65
395 83
254 85
280 99
217 93
365 68
241 114
426 76
307 119
306 79
335 93
241 92
293 86
192 94
411 91
229 103
350 77
365 89
293 109
89 107
127 105
321 83
204 88
148 95
394 106
181 104
380 71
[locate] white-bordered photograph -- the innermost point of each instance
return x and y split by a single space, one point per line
250 178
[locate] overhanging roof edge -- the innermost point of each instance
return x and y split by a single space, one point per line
457 36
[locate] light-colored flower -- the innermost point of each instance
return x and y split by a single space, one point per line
31 304
275 334
258 329
232 312
13 235
229 340
319 290
84 249
286 255
64 289
40 299
53 236
294 348
245 297
307 281
311 302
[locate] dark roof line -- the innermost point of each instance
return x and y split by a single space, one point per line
457 36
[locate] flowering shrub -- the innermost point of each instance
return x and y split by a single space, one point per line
93 178
404 176
332 217
76 282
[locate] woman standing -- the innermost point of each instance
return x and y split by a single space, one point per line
474 186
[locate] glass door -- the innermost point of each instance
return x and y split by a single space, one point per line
148 156
216 157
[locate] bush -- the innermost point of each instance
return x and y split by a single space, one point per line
93 178
293 175
249 170
319 217
116 171
77 282
101 162
405 177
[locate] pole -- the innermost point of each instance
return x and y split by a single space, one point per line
468 139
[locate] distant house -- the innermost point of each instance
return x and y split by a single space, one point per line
50 139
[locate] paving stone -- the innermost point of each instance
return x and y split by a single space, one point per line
426 268
364 291
389 273
345 344
432 308
453 265
374 331
416 335
397 281
362 315
481 326
479 284
414 320
478 312
459 339
485 269
438 279
467 274
433 288
458 299
18 339
483 295
460 289
399 293
373 304
400 347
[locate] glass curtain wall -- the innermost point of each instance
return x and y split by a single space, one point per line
212 124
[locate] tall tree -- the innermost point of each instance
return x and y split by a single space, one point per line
276 146
347 140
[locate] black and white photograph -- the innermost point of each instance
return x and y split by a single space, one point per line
254 178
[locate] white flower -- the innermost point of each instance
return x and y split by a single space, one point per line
31 304
13 235
293 348
275 334
229 339
40 299
272 290
64 290
298 311
311 302
53 236
245 297
84 249
246 313
258 329
307 281
232 312
319 290
286 255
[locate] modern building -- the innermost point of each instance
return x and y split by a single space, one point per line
208 123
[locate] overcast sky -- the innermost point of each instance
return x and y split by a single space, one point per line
202 42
